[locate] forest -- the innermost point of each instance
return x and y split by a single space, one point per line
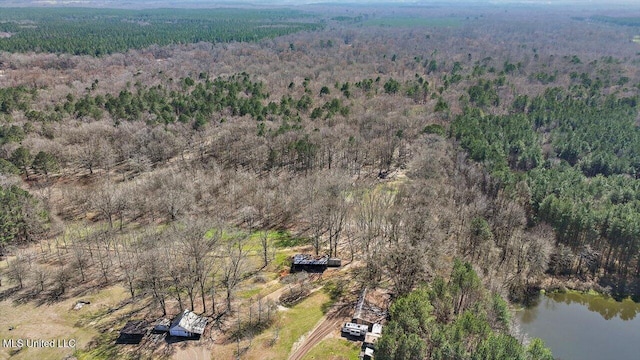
97 32
458 160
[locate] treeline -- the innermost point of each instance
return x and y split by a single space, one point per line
22 217
578 151
99 32
238 96
454 319
281 127
14 98
627 21
599 218
195 102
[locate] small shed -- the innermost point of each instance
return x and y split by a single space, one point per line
188 324
334 262
132 332
162 325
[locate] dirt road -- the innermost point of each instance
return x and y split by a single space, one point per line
338 315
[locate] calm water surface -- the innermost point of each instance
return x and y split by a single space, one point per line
584 327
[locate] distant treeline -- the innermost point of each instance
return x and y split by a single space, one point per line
627 21
98 32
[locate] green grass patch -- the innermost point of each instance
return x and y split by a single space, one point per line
254 240
414 22
278 238
247 294
335 289
283 239
224 234
299 320
105 348
334 349
282 260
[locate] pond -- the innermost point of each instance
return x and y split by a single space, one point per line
584 326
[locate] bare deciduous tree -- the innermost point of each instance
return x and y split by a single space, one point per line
199 242
233 266
104 200
18 270
153 277
266 248
103 253
79 257
61 277
128 261
174 193
40 275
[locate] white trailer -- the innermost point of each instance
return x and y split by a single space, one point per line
356 330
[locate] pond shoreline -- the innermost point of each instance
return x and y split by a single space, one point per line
619 290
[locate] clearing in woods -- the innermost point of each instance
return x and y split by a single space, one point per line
56 321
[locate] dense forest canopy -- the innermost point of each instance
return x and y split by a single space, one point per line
584 186
618 20
425 323
81 31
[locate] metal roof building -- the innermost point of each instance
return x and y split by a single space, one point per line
313 263
188 324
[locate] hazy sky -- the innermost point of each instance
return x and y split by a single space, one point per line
191 3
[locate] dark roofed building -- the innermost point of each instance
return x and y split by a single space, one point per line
133 332
312 263
162 325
